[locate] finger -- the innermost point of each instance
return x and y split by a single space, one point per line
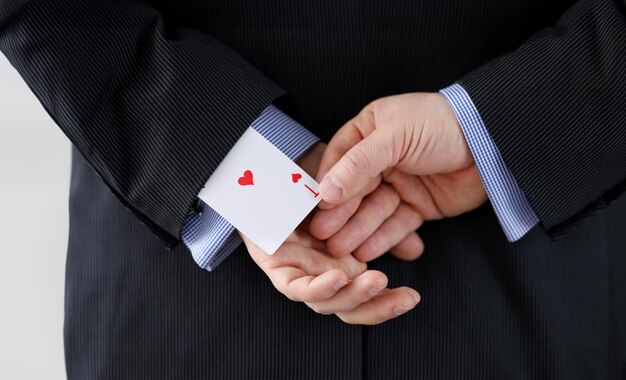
346 137
413 191
297 286
404 221
309 261
358 291
326 223
352 173
385 306
374 210
371 186
313 262
410 248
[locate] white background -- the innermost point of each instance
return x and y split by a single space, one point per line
34 185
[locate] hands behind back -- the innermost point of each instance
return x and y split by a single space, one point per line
304 271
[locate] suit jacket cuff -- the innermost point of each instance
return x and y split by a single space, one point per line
512 209
209 237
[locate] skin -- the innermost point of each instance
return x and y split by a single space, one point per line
402 160
304 271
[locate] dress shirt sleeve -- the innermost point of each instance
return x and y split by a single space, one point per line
515 214
556 110
209 237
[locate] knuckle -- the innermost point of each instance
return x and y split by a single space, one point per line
414 219
373 252
320 309
346 318
290 294
337 246
372 185
364 253
315 296
313 306
353 267
385 200
357 161
390 196
374 282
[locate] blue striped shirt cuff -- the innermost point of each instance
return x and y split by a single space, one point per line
209 237
515 214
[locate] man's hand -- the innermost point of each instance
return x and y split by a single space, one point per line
303 271
402 160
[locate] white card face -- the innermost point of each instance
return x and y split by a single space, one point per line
260 191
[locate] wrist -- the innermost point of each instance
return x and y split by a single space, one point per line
454 132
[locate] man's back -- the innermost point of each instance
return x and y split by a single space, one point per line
537 308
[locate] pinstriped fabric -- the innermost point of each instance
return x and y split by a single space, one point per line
137 311
557 112
535 309
285 133
209 236
509 203
154 112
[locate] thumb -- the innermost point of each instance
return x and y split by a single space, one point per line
354 171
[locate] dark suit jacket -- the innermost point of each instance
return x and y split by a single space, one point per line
153 102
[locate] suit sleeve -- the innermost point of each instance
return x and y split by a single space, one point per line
556 110
152 110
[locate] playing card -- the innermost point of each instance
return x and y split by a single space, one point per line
260 191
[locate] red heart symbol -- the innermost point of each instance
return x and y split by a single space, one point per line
246 179
296 177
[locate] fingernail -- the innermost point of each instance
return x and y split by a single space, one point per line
416 297
329 190
340 284
401 309
374 291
